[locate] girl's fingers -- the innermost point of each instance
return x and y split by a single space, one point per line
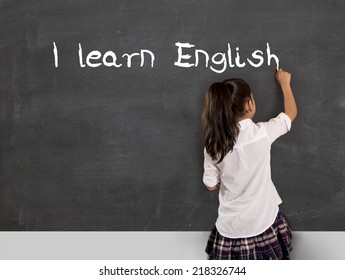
278 70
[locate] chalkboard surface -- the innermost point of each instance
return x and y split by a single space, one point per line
100 125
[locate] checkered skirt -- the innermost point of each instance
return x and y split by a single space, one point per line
272 244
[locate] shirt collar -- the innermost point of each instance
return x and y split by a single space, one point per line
244 123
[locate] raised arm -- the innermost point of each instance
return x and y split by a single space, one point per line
290 106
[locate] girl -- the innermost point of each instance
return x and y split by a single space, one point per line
237 162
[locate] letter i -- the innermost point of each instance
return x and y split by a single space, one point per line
56 58
56 55
238 59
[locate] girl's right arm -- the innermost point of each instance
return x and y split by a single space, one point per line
290 106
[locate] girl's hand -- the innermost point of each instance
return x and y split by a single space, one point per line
290 106
216 187
283 77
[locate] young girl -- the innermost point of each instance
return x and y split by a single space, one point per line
237 162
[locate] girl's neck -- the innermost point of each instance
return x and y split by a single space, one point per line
246 116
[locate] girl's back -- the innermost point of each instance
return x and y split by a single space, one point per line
237 161
248 198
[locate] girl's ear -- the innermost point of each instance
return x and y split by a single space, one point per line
249 105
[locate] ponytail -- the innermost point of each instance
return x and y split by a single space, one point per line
224 104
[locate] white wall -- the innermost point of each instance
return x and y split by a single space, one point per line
147 245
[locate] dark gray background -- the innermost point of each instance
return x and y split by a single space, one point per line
121 149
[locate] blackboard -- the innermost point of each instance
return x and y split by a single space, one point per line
90 146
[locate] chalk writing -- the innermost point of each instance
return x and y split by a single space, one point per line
221 60
187 56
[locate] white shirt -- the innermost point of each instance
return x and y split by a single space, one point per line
248 199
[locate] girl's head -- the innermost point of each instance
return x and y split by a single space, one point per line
226 103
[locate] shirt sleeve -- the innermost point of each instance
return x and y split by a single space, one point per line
277 126
211 175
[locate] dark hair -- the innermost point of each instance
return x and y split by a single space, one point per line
224 104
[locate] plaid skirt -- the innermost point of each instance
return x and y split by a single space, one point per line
272 244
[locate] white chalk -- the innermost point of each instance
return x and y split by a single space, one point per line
277 61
